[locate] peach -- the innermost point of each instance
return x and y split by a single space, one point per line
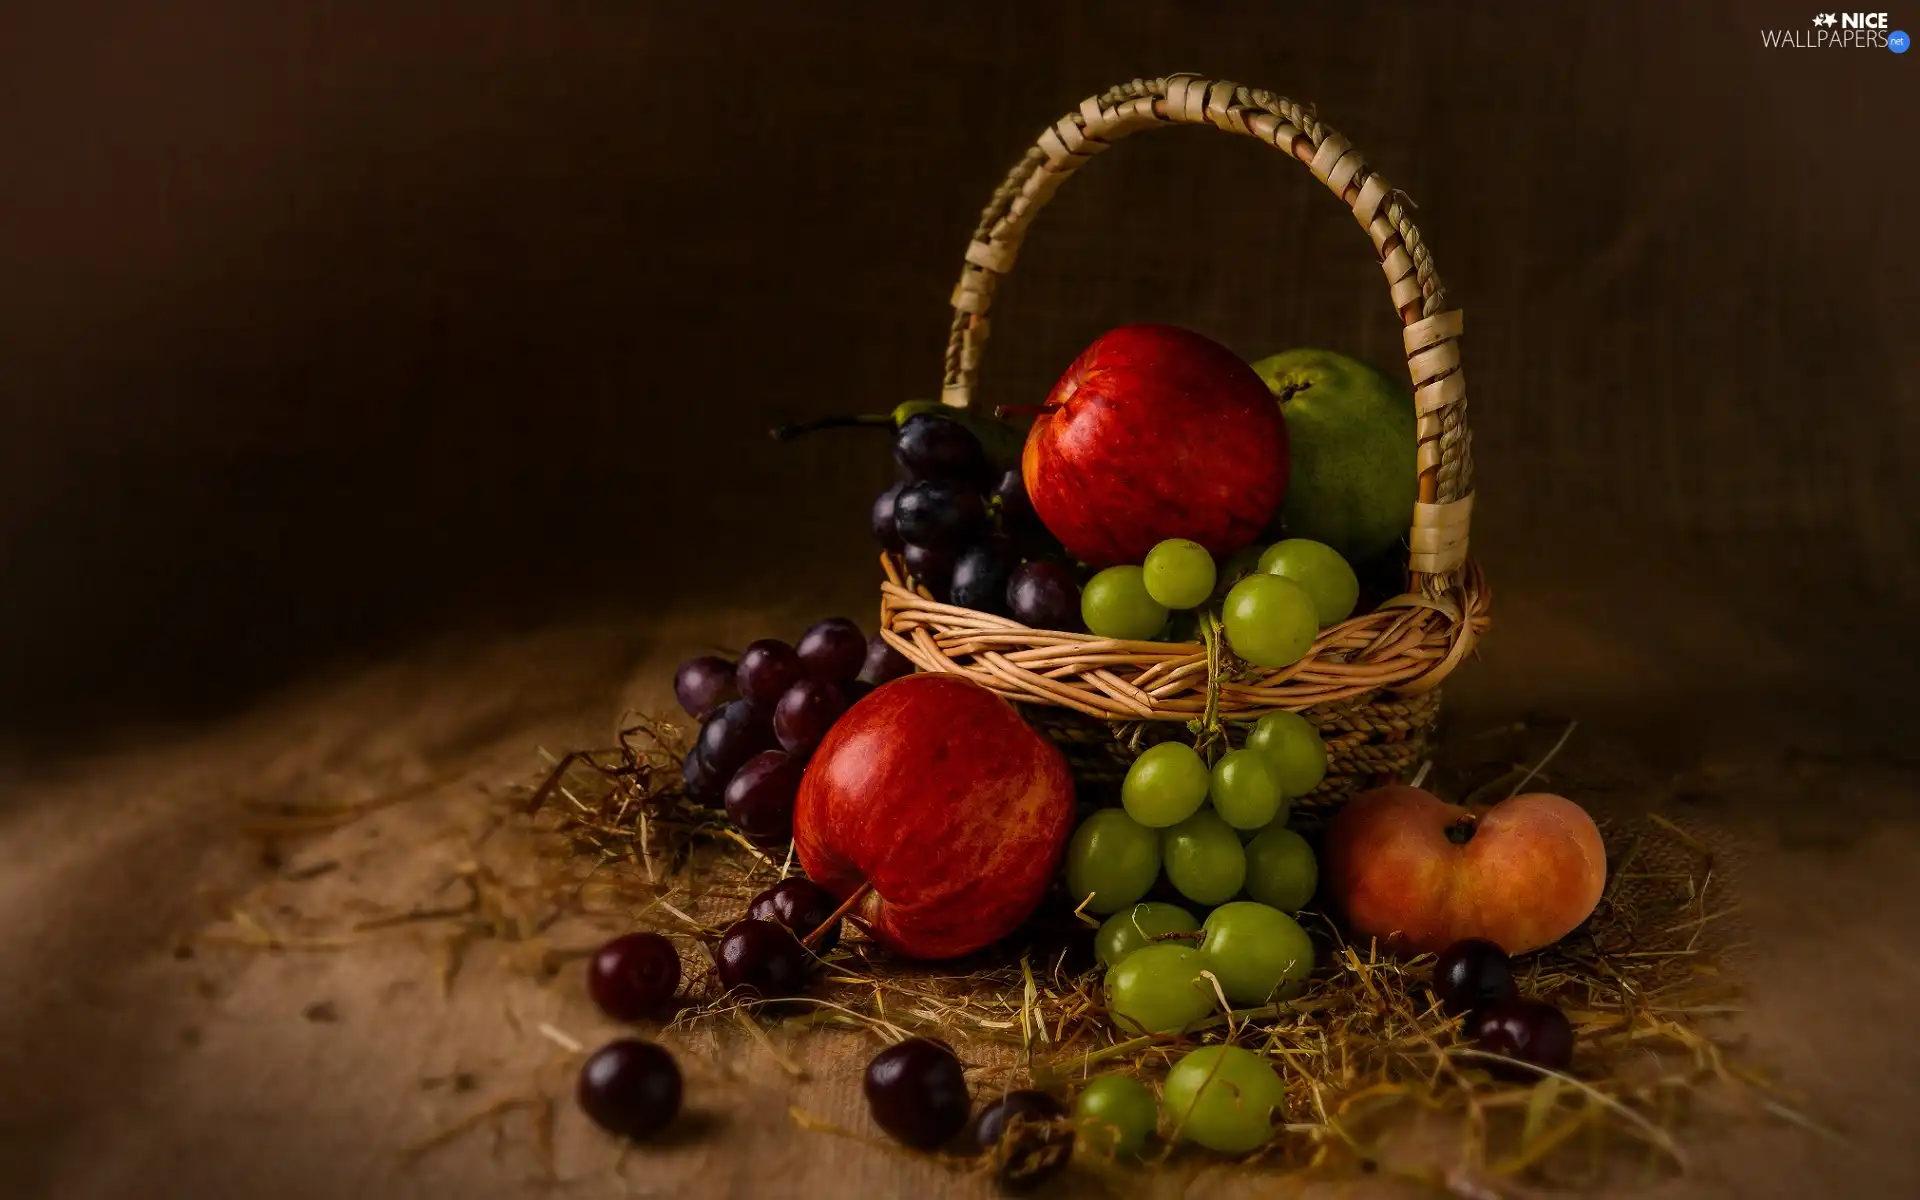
1418 873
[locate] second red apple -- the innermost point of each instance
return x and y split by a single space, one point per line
935 792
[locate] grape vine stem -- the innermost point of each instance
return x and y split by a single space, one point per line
1209 729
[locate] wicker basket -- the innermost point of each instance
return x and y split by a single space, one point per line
1369 683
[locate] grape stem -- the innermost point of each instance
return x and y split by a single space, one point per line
846 906
786 433
1208 730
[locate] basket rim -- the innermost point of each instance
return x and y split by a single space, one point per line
1406 646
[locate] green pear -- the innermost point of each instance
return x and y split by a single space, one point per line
1351 440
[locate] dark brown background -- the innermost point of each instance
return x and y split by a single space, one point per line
327 324
329 331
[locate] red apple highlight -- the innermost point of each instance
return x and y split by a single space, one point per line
934 790
1156 432
1418 873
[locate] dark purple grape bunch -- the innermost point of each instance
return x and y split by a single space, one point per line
1473 978
761 718
967 532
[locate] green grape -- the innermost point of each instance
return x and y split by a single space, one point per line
1116 1114
1203 858
1254 951
1294 746
1280 869
1115 604
1165 785
1158 989
1113 857
1179 573
1246 789
1318 568
1271 621
1223 1098
1239 565
1131 928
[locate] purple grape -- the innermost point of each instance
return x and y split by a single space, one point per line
833 649
1531 1031
630 1088
856 691
917 1092
884 530
1028 1136
760 797
1044 595
763 959
802 906
939 515
768 668
980 579
805 713
633 975
931 569
702 782
1012 494
884 663
733 733
704 684
1473 974
929 446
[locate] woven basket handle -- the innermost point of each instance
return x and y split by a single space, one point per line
1432 330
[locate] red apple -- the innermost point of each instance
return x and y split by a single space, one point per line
933 790
1156 432
1420 874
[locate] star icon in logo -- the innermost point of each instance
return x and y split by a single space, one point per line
1826 19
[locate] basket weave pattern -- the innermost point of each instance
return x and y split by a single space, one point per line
1368 682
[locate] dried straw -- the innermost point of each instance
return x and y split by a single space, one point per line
1379 1078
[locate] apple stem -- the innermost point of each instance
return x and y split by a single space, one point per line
1023 410
846 906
